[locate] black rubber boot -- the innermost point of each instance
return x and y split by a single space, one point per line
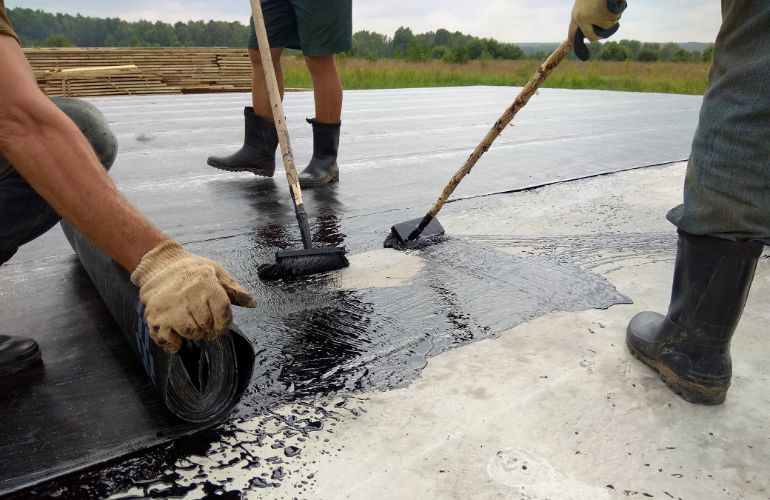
322 168
258 152
17 354
690 346
5 255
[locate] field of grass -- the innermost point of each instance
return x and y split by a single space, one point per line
674 78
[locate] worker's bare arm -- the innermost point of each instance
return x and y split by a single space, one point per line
185 295
54 157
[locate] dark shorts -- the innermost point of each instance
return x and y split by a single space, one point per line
316 27
25 215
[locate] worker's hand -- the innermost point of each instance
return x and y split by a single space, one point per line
185 295
594 19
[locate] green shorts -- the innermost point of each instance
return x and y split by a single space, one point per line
316 27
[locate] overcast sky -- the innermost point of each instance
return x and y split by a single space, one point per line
507 20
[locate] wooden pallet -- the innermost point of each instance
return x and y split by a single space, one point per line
127 71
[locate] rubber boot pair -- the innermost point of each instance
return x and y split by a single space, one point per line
257 154
690 346
17 354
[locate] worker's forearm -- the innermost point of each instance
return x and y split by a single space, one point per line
57 161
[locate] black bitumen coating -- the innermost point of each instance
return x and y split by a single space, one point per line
92 403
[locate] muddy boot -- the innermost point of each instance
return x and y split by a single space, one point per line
322 168
690 347
258 152
17 354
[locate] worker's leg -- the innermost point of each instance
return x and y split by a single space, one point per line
24 215
325 29
327 88
260 141
725 217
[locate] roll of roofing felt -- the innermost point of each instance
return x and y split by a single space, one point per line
200 383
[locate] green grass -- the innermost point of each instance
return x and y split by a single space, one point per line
674 78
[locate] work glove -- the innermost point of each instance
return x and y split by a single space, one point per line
594 19
185 295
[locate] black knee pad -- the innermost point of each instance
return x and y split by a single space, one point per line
93 125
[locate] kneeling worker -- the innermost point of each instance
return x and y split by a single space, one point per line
49 170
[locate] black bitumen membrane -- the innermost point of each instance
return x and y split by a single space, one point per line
92 401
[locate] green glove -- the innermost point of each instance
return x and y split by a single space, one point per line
594 19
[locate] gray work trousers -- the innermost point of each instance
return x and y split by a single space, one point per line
25 215
727 186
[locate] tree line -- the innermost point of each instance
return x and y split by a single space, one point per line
42 29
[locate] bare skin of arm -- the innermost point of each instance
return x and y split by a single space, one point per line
49 151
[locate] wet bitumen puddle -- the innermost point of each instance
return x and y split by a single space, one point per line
319 347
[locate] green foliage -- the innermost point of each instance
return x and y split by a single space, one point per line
614 51
38 28
650 52
57 41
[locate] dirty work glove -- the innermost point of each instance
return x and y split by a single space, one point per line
594 19
185 295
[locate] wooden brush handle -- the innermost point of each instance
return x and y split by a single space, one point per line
275 102
522 99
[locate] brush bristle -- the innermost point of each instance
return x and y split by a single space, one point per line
298 266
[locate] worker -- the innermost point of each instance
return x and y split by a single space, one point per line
49 170
320 30
724 221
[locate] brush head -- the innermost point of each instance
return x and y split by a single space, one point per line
403 236
296 263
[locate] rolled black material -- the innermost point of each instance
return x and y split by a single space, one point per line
204 380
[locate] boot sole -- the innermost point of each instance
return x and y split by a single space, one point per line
335 177
689 391
255 171
15 368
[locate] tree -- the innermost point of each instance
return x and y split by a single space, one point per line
439 52
442 37
457 55
634 45
401 39
667 51
613 51
650 52
58 40
418 51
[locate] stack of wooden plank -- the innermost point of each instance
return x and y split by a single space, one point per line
93 71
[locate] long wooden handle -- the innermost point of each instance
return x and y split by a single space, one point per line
275 102
522 99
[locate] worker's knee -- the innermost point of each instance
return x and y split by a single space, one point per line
256 62
321 65
256 58
93 125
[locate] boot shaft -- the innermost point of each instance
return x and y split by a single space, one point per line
326 139
712 279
